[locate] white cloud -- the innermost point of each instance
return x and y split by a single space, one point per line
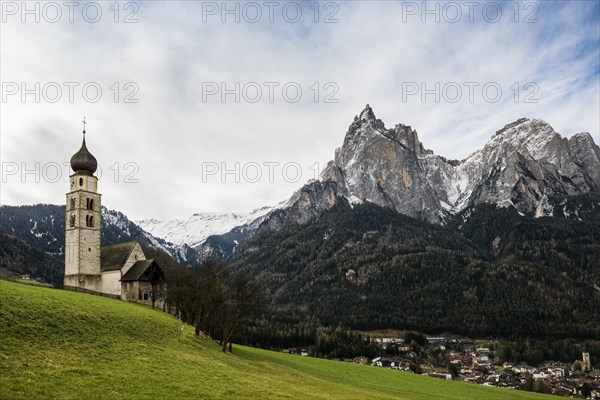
369 54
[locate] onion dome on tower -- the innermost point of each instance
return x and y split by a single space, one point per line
83 162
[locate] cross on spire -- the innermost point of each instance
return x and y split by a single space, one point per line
84 124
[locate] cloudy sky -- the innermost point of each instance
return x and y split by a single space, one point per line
209 106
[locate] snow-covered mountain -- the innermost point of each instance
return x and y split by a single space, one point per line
524 165
117 222
195 230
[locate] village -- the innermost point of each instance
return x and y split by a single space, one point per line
474 361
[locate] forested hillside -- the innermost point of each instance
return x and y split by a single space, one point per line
498 273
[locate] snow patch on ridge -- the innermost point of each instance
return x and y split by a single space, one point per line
195 230
353 200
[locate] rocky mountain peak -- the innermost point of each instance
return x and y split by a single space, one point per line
366 114
526 136
525 165
364 124
509 127
409 138
381 166
583 139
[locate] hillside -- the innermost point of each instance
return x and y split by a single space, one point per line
56 344
500 274
18 257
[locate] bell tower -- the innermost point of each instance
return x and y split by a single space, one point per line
82 223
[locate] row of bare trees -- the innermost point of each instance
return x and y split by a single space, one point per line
215 299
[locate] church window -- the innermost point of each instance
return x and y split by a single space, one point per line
87 204
72 223
91 204
73 203
92 221
80 181
89 249
145 296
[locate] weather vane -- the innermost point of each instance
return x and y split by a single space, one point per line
84 124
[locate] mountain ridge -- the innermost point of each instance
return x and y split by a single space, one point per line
522 165
194 230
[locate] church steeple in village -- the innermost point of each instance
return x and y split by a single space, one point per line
82 240
120 270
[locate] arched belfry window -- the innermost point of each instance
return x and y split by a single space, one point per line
80 181
72 203
72 221
92 221
87 220
91 204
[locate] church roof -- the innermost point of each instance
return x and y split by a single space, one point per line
83 162
114 257
144 270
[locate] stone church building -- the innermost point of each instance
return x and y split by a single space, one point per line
122 269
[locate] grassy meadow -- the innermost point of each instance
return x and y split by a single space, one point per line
63 345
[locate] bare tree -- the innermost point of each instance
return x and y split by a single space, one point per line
214 299
181 296
246 301
211 294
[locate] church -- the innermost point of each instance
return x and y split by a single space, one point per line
120 270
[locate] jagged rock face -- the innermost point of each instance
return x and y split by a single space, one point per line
306 204
588 155
523 164
382 166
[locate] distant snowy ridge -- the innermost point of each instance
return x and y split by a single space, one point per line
180 252
195 230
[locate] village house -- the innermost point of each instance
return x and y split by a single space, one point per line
440 375
436 340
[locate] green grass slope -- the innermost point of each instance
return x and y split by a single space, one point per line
57 344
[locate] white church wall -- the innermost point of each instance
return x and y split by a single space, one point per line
136 255
111 282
